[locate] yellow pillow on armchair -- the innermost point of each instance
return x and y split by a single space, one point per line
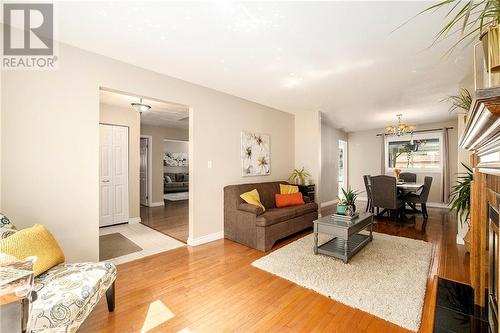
35 241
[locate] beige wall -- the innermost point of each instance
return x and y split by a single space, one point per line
365 151
330 137
308 145
50 119
113 115
159 134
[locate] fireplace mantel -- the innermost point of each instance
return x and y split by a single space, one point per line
481 136
482 130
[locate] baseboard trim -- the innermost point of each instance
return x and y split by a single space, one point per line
460 240
205 239
157 204
437 205
328 203
134 220
429 204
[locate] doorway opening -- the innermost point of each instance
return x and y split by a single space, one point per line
134 219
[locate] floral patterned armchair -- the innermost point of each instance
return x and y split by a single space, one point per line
67 293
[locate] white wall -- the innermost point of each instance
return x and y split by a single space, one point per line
365 151
308 145
50 138
330 137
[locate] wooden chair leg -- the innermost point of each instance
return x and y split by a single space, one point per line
110 297
424 211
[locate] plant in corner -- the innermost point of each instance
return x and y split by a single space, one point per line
460 102
460 200
299 176
347 204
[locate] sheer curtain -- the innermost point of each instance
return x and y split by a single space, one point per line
445 173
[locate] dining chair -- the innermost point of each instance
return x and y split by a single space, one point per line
368 187
421 198
385 196
408 177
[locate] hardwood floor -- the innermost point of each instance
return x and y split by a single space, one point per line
214 288
171 219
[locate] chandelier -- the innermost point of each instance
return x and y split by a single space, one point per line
399 129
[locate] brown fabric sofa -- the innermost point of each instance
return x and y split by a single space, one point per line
250 225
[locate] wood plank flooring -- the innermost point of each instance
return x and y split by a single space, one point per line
214 288
171 219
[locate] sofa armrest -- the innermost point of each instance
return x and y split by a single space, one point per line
307 199
250 208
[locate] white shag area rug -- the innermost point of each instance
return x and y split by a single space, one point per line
176 196
387 278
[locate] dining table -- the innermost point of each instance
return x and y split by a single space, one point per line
405 188
409 186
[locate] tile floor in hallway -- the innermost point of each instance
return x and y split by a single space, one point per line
150 240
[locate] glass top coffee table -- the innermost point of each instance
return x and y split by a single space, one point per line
347 239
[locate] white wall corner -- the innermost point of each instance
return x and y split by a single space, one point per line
328 203
157 204
134 220
205 239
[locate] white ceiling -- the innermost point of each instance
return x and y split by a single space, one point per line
161 114
342 58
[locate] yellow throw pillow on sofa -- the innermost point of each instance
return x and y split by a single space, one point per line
252 198
35 241
288 189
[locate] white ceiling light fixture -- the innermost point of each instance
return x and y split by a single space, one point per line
140 107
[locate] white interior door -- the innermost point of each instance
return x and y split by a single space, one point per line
143 171
113 174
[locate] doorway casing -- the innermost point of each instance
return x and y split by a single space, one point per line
150 168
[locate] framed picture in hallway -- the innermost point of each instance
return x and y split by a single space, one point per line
255 154
175 159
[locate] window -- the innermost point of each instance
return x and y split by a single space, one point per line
424 153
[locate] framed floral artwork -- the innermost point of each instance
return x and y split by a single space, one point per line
255 154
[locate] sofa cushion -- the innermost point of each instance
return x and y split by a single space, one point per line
252 197
275 215
286 200
288 189
67 294
306 209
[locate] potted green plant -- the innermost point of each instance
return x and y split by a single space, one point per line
460 200
299 176
347 204
460 102
476 20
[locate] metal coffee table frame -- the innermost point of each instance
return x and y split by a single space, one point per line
347 240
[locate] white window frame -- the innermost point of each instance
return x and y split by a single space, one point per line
416 136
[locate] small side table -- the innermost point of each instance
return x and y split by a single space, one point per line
308 190
15 298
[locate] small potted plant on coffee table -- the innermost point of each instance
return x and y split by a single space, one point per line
347 204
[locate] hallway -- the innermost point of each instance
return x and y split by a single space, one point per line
171 219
